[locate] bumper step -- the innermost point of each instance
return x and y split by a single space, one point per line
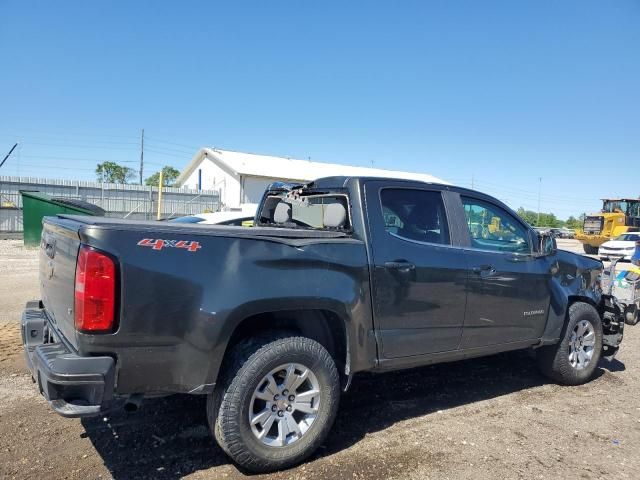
74 386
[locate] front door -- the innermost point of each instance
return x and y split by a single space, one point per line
418 276
508 288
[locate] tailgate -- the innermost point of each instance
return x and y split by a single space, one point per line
58 255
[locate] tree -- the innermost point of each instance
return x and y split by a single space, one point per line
169 175
546 219
573 222
111 172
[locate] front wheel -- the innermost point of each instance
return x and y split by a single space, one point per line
574 358
589 249
277 402
631 315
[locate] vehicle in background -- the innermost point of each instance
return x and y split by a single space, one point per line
618 216
622 247
542 230
238 217
562 232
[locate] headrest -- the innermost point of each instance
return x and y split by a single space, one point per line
335 215
282 213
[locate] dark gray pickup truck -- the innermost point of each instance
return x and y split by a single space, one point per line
336 277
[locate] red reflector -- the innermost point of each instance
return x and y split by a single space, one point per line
95 291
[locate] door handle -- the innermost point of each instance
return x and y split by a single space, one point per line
400 265
484 270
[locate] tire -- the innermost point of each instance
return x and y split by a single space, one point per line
555 361
589 250
244 381
631 315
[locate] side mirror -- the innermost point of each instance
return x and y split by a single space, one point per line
547 244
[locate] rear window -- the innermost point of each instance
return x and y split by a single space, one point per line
293 210
417 215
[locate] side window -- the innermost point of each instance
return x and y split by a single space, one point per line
414 215
492 228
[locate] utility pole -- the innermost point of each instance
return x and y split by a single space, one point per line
8 154
539 192
472 182
159 216
141 155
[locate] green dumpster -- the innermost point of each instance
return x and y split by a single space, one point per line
36 205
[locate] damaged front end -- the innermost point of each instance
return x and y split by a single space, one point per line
615 308
578 278
612 314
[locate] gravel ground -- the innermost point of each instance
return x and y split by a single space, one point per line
18 278
494 417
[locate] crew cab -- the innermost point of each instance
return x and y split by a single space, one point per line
339 276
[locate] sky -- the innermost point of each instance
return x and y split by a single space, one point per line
522 100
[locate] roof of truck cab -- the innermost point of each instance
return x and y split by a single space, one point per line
342 181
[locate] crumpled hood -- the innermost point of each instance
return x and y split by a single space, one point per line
580 261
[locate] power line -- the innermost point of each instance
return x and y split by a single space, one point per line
169 149
517 189
159 152
191 147
66 133
74 145
56 167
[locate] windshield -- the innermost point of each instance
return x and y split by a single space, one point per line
628 237
613 206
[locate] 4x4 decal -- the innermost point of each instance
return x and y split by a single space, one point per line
159 244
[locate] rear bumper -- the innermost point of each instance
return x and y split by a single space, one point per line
74 386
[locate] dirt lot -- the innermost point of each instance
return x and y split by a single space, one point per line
488 418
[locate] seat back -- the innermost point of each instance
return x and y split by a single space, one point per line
335 215
282 213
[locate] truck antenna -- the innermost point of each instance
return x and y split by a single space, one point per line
8 154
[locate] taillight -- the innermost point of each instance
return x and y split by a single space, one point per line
95 291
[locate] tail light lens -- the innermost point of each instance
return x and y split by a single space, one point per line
95 291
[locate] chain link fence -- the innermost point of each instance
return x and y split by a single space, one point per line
119 200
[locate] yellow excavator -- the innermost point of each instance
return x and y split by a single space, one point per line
616 217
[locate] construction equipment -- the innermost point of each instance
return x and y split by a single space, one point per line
616 217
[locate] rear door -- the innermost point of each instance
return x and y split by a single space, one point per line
418 276
508 288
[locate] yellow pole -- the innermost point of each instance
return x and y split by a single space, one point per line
159 196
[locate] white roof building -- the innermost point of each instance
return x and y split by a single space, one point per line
243 177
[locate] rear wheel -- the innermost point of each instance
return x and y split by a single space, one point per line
277 403
573 360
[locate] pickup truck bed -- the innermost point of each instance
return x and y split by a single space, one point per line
171 327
